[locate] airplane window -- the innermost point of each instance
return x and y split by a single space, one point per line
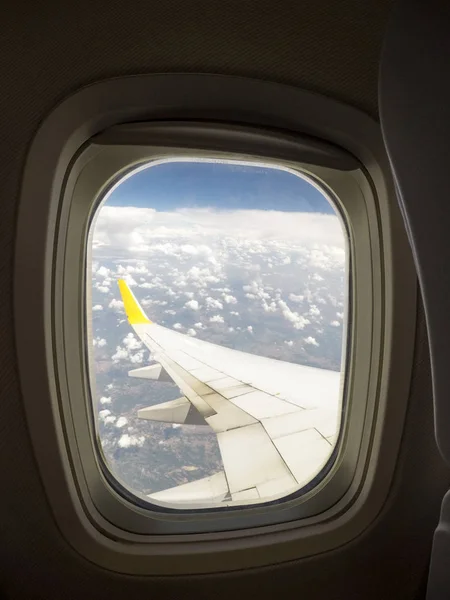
218 295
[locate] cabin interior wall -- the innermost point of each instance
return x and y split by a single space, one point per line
50 50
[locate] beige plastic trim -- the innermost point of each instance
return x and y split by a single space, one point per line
92 181
99 523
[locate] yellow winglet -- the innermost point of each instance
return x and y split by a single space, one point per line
132 307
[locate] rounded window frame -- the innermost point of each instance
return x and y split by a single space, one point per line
113 519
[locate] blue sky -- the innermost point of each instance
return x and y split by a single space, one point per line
173 185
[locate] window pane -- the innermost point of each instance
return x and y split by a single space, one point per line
218 306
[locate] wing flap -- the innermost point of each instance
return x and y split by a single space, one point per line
322 420
305 453
154 372
227 416
250 458
179 411
261 405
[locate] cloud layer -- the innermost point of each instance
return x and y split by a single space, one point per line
140 230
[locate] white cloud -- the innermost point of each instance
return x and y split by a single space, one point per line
296 298
255 290
195 250
327 258
137 358
200 277
103 272
252 287
191 332
102 288
120 354
97 307
229 299
116 305
213 303
135 230
121 422
132 352
178 326
129 353
104 415
131 342
297 320
314 310
233 312
311 341
289 343
139 269
192 304
272 307
99 342
250 328
199 325
335 324
127 441
105 400
216 319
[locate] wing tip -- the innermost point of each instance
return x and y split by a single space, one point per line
133 310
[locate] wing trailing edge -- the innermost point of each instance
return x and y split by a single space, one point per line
179 411
154 372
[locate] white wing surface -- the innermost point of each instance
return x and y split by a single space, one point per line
275 422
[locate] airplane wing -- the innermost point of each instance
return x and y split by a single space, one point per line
275 421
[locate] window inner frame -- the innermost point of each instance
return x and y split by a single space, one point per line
103 166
